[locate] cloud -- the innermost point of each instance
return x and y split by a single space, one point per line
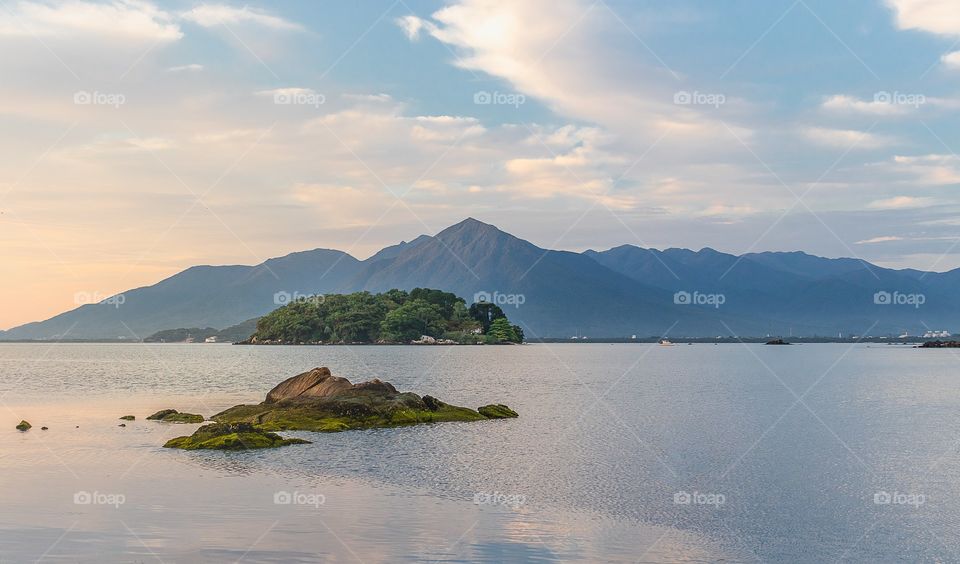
846 138
936 170
379 98
119 19
842 103
294 96
883 239
291 91
951 60
933 16
412 26
193 67
109 147
213 15
899 203
577 58
446 128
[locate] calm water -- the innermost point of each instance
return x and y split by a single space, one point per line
627 452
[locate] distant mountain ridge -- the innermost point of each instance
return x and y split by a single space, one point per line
623 291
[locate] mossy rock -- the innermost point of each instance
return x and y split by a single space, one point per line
23 426
128 418
346 412
174 416
231 436
318 401
497 411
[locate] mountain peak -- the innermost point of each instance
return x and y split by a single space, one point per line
471 227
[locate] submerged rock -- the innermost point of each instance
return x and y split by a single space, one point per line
319 401
497 411
174 416
132 418
44 428
231 436
23 425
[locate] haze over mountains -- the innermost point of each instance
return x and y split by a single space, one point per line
623 291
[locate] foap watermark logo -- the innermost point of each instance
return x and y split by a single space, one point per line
99 498
684 297
96 98
497 498
298 97
309 499
697 98
87 298
283 298
896 98
699 498
486 98
884 297
515 300
898 498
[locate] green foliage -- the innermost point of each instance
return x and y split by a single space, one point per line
362 317
486 313
411 320
501 330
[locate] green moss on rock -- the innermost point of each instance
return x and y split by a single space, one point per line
231 436
497 411
174 416
318 401
23 426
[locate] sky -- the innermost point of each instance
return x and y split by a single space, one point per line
138 138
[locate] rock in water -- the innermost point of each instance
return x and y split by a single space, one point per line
497 411
319 401
174 416
23 426
132 418
320 383
231 436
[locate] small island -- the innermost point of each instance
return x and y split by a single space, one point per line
422 316
319 401
940 345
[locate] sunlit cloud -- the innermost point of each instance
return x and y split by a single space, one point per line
882 239
899 202
846 138
934 16
119 19
193 67
212 15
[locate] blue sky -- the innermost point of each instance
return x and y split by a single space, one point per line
141 138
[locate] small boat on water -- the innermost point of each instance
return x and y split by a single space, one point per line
665 343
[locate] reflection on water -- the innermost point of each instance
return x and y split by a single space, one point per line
621 453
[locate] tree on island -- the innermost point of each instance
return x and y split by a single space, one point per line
412 320
501 330
395 316
485 313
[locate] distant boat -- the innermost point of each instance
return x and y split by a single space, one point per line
665 343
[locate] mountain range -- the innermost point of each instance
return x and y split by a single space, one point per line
623 291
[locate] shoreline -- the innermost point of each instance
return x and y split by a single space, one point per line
543 340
